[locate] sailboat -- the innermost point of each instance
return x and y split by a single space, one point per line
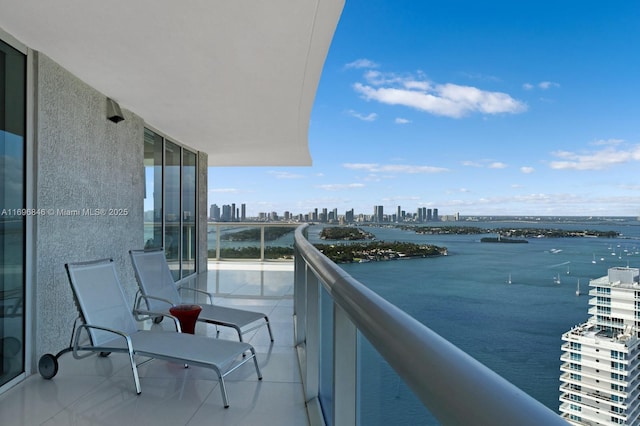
557 279
509 279
578 288
594 258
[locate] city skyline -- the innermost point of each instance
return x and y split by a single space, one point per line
510 108
237 212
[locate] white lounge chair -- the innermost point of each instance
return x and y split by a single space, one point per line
111 327
159 292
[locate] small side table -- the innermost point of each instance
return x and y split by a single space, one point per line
187 315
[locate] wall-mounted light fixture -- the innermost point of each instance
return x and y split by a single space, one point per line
114 113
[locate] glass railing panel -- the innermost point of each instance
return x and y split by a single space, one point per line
244 241
326 355
384 399
239 242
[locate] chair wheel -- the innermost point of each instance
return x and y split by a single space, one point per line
158 320
48 366
104 354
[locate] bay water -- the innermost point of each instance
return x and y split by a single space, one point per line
515 329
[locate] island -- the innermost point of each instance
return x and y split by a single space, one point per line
510 232
378 251
345 233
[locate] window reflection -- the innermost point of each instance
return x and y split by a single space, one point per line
12 213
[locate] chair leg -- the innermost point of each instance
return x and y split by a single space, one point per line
269 327
134 369
255 362
223 389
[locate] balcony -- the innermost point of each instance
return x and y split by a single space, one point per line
312 372
101 391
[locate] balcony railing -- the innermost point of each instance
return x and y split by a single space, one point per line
220 237
453 386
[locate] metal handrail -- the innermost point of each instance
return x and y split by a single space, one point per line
452 385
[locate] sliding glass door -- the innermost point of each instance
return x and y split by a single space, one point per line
12 212
170 202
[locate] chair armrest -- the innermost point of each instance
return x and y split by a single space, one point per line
76 341
144 297
209 295
138 312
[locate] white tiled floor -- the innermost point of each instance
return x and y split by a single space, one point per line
100 391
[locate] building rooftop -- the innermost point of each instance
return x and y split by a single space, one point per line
99 390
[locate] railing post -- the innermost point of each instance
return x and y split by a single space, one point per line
299 296
217 242
262 243
345 369
312 341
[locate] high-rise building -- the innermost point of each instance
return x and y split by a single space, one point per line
378 213
214 212
599 374
226 213
349 216
243 212
435 214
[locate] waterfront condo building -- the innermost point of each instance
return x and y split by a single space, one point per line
600 358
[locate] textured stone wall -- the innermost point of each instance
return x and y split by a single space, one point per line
203 211
83 161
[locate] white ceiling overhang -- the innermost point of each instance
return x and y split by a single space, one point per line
235 79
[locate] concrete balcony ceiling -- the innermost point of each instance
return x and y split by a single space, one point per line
235 79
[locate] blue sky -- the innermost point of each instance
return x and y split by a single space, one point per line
481 108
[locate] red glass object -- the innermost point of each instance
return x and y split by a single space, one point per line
187 315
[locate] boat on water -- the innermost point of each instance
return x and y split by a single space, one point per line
509 279
578 288
556 280
594 258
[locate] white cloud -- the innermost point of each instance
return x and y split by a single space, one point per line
285 175
401 198
225 190
543 85
607 142
497 165
340 186
595 160
361 63
491 164
401 121
369 117
394 168
527 169
449 100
